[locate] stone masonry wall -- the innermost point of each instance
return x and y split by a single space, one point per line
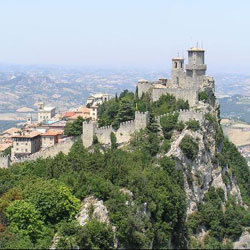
185 115
190 95
63 146
123 134
126 129
4 161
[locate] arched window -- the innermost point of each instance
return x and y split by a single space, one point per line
175 65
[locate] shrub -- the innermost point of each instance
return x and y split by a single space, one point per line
203 96
189 147
166 146
180 126
194 125
113 140
209 117
169 123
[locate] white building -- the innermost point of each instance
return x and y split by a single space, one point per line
45 113
97 99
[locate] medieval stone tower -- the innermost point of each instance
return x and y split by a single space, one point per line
196 68
177 73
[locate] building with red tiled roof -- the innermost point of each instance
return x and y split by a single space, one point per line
69 114
50 138
25 143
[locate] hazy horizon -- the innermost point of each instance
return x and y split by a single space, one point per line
132 34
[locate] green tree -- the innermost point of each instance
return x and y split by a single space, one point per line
113 140
97 235
25 219
53 200
168 123
74 128
194 125
189 147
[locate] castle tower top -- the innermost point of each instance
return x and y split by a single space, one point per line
196 62
177 69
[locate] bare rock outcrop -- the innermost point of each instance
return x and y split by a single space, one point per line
92 208
243 242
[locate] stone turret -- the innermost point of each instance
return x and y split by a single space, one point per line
177 72
141 120
88 132
196 67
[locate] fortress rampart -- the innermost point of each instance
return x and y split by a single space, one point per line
189 95
185 115
4 161
126 129
123 134
63 146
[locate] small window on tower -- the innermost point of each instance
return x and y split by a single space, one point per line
181 64
175 65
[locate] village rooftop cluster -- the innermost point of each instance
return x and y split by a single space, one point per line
48 130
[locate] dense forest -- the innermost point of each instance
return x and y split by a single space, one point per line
40 199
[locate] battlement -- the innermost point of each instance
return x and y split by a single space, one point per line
52 151
123 134
4 161
185 115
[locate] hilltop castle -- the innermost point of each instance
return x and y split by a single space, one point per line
184 84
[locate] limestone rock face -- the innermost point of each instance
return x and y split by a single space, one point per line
203 172
243 242
92 207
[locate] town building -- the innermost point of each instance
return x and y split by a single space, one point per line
50 138
25 143
97 99
45 113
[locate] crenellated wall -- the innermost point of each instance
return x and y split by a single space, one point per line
190 95
63 146
123 134
185 115
4 161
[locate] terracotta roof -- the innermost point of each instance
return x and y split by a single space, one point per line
69 114
52 133
82 110
27 135
84 116
4 146
10 131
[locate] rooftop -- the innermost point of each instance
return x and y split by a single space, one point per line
99 95
27 135
10 131
52 133
58 123
47 109
195 49
69 114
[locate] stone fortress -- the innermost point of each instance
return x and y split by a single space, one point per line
183 84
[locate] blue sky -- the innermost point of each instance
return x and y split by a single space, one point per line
125 33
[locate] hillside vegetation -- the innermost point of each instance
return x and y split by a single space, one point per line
142 185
